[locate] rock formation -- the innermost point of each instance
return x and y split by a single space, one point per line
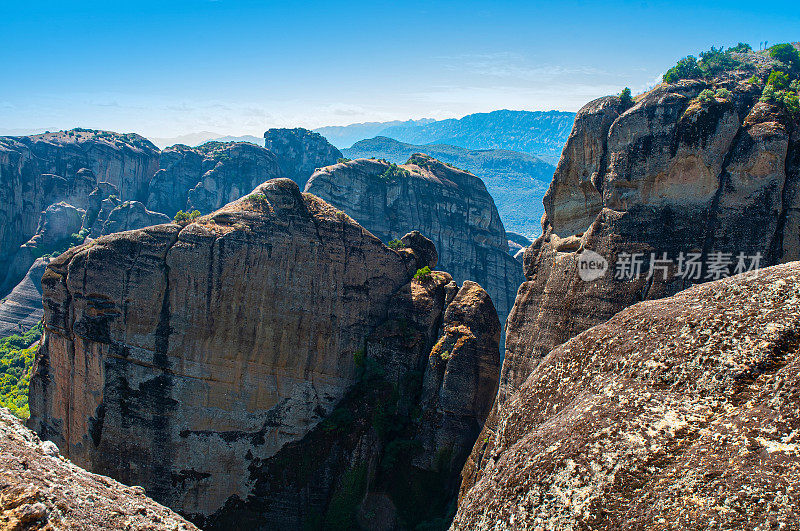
692 182
450 206
209 176
41 170
22 309
673 177
192 359
300 152
681 413
39 489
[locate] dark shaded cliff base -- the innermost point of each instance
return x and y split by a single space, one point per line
39 489
681 413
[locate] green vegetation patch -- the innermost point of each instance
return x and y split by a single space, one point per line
186 217
394 172
17 352
711 63
423 273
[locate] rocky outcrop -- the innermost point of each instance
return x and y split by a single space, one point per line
122 216
22 309
300 152
680 413
187 358
209 176
677 188
450 206
390 455
41 170
673 180
39 489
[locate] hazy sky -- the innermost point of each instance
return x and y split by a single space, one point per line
238 67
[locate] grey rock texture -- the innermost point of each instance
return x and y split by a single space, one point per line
300 152
128 215
38 171
22 309
680 413
56 225
447 205
41 490
184 357
209 176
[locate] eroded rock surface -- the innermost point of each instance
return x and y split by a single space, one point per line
680 413
450 206
209 176
670 177
42 170
185 358
40 489
300 152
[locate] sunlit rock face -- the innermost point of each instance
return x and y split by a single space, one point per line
184 358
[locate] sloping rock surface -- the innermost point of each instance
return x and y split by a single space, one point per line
40 489
450 206
681 413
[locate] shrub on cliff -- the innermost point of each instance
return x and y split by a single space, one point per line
423 273
778 80
396 244
686 68
625 98
712 63
787 54
186 217
393 172
741 48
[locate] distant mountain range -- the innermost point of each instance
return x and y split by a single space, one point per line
534 132
517 181
196 139
344 136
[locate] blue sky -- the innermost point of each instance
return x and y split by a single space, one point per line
239 67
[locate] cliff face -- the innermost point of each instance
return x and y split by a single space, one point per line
680 413
678 189
209 176
38 171
39 489
450 206
709 182
185 358
300 152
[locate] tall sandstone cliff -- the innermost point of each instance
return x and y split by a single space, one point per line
450 206
680 413
668 175
300 152
273 334
671 178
